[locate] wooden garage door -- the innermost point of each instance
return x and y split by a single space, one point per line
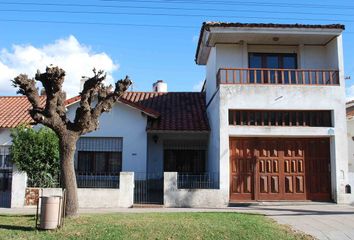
279 169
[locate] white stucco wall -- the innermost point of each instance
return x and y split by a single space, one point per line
350 124
350 135
276 97
210 84
128 123
5 138
18 188
202 198
103 197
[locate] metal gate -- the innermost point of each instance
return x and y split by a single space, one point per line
5 188
148 188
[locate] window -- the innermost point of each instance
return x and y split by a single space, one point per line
99 162
280 118
184 160
272 61
5 158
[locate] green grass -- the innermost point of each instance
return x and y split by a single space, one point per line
152 226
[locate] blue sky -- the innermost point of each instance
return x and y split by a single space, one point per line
144 49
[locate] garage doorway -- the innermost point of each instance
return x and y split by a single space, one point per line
269 169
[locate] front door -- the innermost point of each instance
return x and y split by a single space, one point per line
279 169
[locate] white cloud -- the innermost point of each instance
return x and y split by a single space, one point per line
198 87
68 53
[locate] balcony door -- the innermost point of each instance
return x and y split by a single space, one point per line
272 61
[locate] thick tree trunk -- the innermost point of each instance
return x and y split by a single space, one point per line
68 178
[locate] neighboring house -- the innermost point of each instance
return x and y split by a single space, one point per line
269 124
13 112
350 123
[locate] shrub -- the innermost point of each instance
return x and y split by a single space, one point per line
37 154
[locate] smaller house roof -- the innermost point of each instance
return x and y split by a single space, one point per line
14 111
350 109
169 111
179 111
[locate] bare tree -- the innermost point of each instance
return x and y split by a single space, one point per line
95 99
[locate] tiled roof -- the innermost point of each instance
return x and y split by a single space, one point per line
207 25
172 111
350 111
14 111
179 111
272 25
146 110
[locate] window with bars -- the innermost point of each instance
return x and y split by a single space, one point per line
99 162
5 158
293 118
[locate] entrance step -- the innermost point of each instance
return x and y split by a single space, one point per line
148 206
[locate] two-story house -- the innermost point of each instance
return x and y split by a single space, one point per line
275 96
268 125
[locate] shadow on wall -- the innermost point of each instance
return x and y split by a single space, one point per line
182 198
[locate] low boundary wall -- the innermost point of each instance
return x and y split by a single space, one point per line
102 197
198 198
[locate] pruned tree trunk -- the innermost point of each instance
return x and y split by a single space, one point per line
68 177
53 115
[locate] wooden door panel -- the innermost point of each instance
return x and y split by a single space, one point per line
279 169
242 165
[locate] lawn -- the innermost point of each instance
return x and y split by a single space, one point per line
152 226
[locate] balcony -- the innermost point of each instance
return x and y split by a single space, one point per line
267 76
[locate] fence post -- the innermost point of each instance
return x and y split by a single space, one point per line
169 188
126 189
18 188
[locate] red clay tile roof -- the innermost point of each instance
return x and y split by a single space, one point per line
148 111
350 111
14 111
179 111
172 111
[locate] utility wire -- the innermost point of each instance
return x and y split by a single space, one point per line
330 7
238 3
110 24
98 23
173 8
171 15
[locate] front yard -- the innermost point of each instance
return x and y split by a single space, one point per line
152 226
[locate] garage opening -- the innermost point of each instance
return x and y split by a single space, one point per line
280 169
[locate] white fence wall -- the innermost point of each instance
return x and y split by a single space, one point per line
200 198
94 197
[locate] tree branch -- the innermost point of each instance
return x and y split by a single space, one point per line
27 87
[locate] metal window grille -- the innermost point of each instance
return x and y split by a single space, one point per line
97 180
5 159
198 180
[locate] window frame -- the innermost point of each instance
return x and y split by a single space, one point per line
280 59
92 161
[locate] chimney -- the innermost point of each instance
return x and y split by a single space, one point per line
159 86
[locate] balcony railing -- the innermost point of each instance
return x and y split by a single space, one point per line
277 76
